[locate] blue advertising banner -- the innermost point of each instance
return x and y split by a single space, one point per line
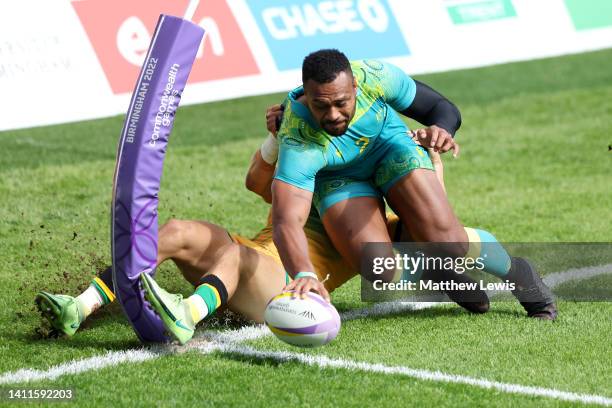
359 28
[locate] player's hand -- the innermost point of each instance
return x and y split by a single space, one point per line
274 116
438 139
302 286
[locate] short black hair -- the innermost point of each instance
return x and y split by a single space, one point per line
323 66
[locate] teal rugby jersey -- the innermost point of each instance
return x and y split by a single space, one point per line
306 150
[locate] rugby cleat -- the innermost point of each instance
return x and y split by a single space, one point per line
61 311
474 301
535 297
171 308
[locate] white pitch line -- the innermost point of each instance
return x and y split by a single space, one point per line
326 362
206 339
79 366
387 309
210 341
555 279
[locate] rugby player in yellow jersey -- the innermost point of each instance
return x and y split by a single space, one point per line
227 269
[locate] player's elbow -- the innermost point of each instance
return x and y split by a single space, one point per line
258 188
251 184
457 114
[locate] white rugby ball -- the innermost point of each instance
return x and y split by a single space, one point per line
308 322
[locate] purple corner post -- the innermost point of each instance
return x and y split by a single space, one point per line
140 159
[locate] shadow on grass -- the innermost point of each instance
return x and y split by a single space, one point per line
255 360
433 312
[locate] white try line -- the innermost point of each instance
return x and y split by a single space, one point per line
558 278
229 342
247 333
326 362
555 279
79 366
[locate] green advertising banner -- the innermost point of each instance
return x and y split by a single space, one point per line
589 14
480 11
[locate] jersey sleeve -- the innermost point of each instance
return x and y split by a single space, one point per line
298 163
398 88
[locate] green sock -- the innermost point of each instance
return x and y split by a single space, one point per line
485 246
208 297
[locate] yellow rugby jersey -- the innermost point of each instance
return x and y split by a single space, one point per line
324 256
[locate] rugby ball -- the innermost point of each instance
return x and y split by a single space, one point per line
308 322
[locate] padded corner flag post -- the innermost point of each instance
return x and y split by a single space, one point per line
140 158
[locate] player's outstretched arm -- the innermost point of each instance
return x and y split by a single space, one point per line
290 209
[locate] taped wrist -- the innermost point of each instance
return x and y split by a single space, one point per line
269 149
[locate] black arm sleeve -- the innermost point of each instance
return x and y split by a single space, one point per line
431 108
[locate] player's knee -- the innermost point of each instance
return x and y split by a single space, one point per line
373 266
450 235
230 253
174 232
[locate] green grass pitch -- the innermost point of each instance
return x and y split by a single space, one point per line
534 167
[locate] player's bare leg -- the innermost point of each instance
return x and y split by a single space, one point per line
192 245
251 279
421 204
240 277
351 223
474 301
200 248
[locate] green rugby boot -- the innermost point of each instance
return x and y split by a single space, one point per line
172 309
61 311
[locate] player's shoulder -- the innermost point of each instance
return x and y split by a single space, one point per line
293 117
369 71
298 129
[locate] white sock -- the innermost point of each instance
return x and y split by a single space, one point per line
197 308
90 300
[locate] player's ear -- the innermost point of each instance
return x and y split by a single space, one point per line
354 83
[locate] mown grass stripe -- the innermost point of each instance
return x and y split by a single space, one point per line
322 361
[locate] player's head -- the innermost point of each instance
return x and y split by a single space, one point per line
330 90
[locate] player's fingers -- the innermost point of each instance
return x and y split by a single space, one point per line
443 137
448 145
273 110
271 125
323 292
289 286
421 133
434 137
303 287
308 286
272 117
456 150
414 136
296 292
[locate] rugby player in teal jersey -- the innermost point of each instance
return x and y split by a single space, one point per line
343 129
